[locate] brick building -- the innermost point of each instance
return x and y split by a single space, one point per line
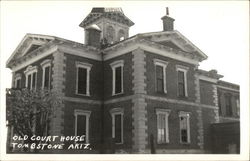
131 93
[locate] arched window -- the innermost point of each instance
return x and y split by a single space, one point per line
110 34
121 35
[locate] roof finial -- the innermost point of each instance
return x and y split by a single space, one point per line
167 12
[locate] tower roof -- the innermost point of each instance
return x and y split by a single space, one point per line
115 14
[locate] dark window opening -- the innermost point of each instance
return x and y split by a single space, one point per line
181 83
47 77
118 128
82 81
81 126
228 102
159 79
118 80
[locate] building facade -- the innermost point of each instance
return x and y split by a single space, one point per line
127 93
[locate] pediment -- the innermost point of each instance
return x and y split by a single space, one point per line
29 43
175 40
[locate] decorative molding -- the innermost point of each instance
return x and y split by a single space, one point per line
82 100
205 78
227 88
199 124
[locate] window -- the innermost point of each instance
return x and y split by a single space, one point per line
82 123
46 65
182 80
162 125
121 35
82 78
228 105
184 127
110 34
117 77
31 77
17 81
160 70
238 106
117 124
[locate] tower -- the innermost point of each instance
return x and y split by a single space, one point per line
112 23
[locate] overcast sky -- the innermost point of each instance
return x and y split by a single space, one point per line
219 29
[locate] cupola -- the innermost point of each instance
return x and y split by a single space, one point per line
168 22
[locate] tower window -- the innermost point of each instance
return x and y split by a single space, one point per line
110 34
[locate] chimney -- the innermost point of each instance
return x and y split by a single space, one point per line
93 36
168 22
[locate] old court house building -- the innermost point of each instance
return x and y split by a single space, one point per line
126 88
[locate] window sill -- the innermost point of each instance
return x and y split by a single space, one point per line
188 143
116 94
82 94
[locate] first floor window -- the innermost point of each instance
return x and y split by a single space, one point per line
184 127
162 125
117 124
82 124
82 78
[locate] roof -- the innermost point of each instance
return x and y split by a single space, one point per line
115 14
211 73
42 42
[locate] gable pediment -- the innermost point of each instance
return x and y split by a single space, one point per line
29 43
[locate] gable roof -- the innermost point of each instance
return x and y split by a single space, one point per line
170 40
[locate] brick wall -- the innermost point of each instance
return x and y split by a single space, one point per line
174 124
206 93
171 77
39 72
127 76
95 86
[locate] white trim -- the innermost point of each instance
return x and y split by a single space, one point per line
80 52
186 115
165 112
16 78
163 52
113 112
185 70
163 64
44 64
88 67
30 71
227 88
34 59
205 78
114 65
87 114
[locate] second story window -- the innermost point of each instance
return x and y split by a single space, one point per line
182 81
117 125
31 77
117 77
46 65
17 81
82 78
160 74
228 105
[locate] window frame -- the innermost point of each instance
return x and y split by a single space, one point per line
46 63
88 67
114 65
16 78
187 116
163 64
30 71
87 115
113 113
166 113
184 70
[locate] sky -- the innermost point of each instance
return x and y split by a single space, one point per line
219 28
